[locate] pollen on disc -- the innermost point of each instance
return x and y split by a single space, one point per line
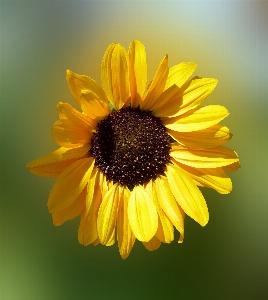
131 146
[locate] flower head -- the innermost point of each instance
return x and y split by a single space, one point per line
131 162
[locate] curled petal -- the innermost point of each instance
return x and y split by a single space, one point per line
73 129
66 111
93 107
77 83
70 135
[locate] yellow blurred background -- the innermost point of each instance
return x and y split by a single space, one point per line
41 39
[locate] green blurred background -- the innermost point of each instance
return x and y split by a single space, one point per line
228 259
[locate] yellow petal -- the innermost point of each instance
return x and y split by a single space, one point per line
187 194
87 232
103 184
161 234
180 73
171 93
215 178
70 134
109 184
72 211
168 203
92 187
70 184
92 106
106 73
190 95
108 214
165 231
153 244
198 90
204 158
111 241
137 71
232 167
157 86
82 228
74 129
66 111
206 138
114 74
125 235
54 163
197 119
77 83
142 214
95 243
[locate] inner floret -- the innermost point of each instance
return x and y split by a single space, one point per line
131 146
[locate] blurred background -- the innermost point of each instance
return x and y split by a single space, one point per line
228 259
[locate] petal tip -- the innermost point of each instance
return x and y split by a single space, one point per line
50 209
191 63
204 221
180 241
215 82
55 221
69 73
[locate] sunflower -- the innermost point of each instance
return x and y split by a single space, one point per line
131 162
